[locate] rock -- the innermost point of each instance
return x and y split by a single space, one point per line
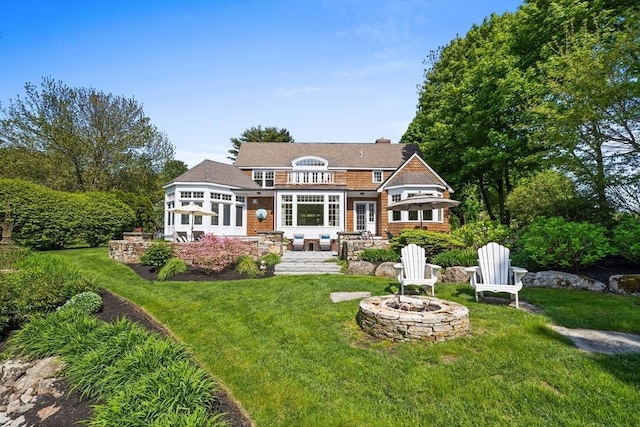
386 270
361 268
559 279
625 284
18 422
453 275
45 413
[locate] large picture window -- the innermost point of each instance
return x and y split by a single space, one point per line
310 210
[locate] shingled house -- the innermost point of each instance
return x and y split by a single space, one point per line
307 188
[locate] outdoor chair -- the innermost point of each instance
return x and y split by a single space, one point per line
180 237
197 235
494 272
325 242
389 234
414 270
298 242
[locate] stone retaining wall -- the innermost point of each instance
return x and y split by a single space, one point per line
129 251
350 250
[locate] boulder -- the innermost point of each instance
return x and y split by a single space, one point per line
360 268
625 284
386 270
453 275
559 279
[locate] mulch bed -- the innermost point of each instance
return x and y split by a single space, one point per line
195 274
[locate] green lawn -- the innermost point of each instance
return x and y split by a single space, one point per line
293 358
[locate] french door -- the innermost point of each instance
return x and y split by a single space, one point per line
365 216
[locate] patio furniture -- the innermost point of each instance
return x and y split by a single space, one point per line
325 242
298 242
494 272
197 235
413 269
180 236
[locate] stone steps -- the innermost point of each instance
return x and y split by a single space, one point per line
302 262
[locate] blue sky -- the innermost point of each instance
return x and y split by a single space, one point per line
204 71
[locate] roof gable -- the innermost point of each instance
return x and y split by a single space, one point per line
415 171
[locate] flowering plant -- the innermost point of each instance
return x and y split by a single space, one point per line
214 254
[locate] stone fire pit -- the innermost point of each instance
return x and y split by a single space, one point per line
413 318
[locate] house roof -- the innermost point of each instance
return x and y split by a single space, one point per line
339 155
217 173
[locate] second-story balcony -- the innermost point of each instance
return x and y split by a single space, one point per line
310 178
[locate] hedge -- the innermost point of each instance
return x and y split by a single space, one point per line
49 219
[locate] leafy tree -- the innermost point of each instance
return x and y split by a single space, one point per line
258 134
172 169
596 114
81 139
546 194
471 105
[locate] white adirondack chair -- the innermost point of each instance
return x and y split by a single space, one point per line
414 268
494 272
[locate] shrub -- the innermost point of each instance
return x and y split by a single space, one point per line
214 254
555 243
50 219
43 283
88 302
246 265
479 233
271 259
10 256
431 241
171 268
157 255
626 238
456 257
379 255
104 217
546 194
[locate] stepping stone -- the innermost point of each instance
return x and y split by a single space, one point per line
348 296
607 342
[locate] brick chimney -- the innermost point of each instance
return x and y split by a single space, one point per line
383 141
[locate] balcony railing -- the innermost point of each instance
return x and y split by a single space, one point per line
310 178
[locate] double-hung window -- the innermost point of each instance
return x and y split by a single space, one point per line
264 179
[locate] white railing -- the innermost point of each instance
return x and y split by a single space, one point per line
310 178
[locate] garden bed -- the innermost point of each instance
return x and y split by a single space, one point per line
73 409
